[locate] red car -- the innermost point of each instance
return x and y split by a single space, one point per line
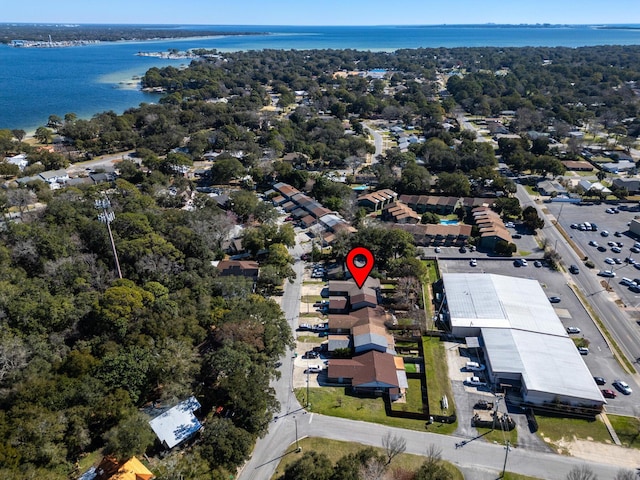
609 394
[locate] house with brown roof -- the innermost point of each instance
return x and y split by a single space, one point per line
490 227
440 205
577 165
377 200
398 212
242 268
372 372
437 234
286 190
372 337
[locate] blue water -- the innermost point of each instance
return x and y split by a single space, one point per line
36 83
449 222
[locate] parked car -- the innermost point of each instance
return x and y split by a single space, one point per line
574 269
604 233
609 393
304 327
516 236
609 261
616 249
622 386
602 249
473 263
314 368
554 299
437 250
475 382
600 380
635 249
462 249
593 243
474 367
573 330
607 273
583 350
537 264
617 234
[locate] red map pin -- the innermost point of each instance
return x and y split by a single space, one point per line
360 263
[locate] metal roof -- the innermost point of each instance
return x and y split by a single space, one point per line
178 423
488 300
521 332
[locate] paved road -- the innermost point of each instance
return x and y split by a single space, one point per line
475 456
603 303
377 141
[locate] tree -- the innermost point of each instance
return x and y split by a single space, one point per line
19 134
454 184
43 135
132 436
531 219
13 354
311 465
226 169
393 446
223 444
625 475
430 217
582 473
432 468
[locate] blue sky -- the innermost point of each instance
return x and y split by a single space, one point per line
323 12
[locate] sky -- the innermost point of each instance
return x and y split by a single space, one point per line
323 12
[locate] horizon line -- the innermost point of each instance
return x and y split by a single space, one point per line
71 23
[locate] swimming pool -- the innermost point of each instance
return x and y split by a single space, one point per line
449 222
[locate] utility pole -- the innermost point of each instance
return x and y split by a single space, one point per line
298 449
506 454
308 403
107 216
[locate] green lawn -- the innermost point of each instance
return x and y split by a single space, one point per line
335 402
498 436
335 450
627 428
311 298
515 476
310 339
413 399
410 368
438 383
553 429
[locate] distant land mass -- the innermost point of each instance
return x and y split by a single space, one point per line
42 33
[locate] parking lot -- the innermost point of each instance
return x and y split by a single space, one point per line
569 214
569 309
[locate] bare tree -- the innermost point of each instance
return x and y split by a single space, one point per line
393 446
374 469
13 354
582 473
625 475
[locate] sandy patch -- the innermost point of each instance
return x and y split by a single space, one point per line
601 452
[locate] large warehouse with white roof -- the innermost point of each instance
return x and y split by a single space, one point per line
525 345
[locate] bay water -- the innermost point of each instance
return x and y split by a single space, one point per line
85 80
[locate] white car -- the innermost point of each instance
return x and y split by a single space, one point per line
610 261
583 350
314 368
475 382
622 386
573 330
474 367
473 263
607 273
